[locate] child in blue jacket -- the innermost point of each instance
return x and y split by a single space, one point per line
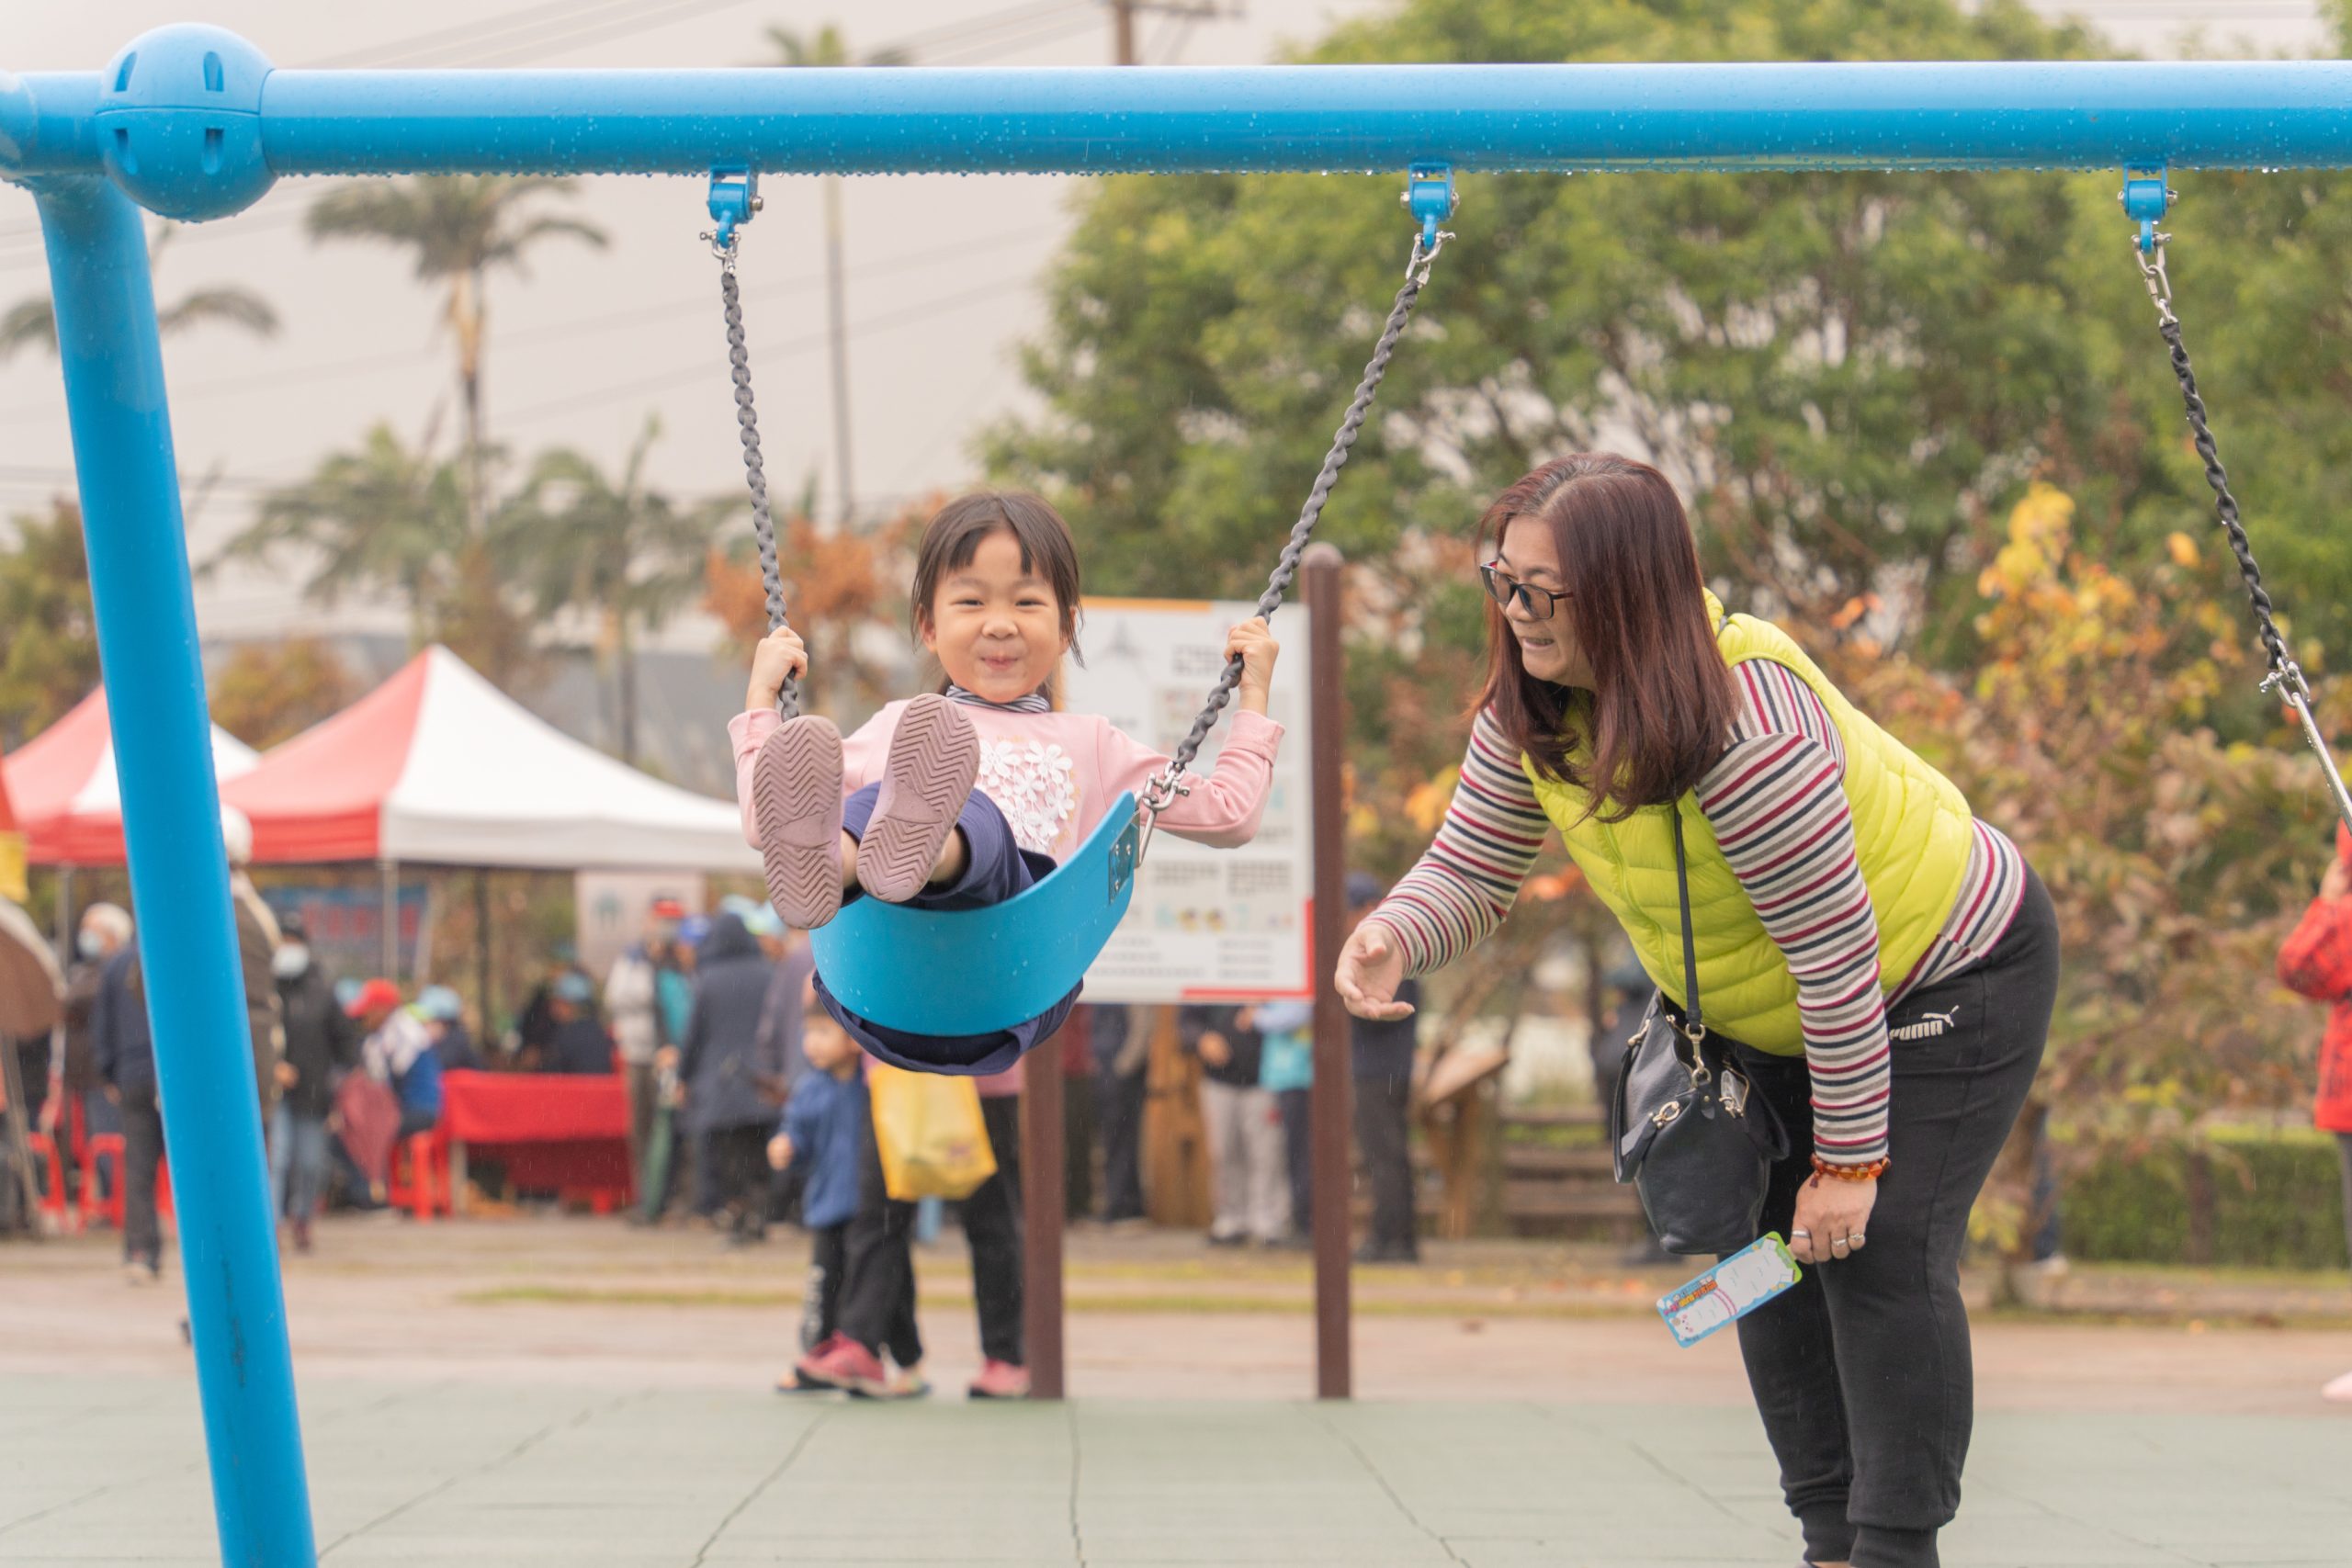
819 1136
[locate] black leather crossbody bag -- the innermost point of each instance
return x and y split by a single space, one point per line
1685 1126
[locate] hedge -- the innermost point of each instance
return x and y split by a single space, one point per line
2242 1197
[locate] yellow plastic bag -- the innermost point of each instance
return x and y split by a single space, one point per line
929 1132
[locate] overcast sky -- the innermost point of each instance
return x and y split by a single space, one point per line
943 270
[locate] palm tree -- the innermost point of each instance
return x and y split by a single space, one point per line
32 323
827 48
461 227
613 547
392 520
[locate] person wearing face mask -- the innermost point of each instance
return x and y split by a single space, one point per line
320 1046
68 1114
1880 961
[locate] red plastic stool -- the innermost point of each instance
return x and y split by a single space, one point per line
418 1179
53 1197
99 1147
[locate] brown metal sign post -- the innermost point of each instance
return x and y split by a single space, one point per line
1043 1186
1327 1108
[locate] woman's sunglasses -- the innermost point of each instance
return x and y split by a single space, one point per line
1539 602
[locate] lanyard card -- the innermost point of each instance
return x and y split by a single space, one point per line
1729 1291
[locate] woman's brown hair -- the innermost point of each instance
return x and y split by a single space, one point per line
952 537
1663 704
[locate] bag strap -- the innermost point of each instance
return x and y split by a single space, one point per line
1693 1025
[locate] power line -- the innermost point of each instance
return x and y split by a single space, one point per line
572 331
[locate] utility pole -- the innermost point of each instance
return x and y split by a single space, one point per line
1124 12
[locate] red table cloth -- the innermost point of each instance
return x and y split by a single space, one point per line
566 1133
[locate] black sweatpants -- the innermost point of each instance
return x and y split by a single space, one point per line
143 1152
1384 1132
821 1311
1118 1117
1296 1106
877 1267
739 1157
1862 1372
992 1229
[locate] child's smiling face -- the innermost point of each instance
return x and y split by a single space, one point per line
996 628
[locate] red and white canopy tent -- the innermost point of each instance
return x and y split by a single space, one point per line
68 801
436 766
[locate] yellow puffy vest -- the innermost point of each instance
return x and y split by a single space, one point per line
1912 832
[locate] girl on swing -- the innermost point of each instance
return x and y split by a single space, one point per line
963 797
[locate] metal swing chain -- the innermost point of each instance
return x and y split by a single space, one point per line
1168 783
2286 676
747 419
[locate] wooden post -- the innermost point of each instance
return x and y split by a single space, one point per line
1328 1110
1043 1186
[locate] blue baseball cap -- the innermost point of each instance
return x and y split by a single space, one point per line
692 928
441 1003
574 988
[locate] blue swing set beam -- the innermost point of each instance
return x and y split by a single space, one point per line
193 122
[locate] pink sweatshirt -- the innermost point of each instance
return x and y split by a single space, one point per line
1054 775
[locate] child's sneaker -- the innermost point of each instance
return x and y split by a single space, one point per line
935 758
842 1362
1001 1380
796 806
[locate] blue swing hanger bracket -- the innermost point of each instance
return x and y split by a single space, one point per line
2147 197
1431 196
734 201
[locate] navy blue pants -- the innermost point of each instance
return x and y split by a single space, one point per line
998 869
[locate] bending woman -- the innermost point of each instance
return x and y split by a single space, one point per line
1883 963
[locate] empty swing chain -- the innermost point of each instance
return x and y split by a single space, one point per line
1164 786
2286 677
788 702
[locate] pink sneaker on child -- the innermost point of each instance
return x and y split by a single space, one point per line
1001 1380
796 806
844 1363
935 758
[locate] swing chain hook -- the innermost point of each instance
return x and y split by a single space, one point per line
2145 199
1431 184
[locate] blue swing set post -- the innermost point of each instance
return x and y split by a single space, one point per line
194 123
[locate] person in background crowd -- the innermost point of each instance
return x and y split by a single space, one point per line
734 1083
633 1005
1244 1131
258 938
124 1055
818 1137
444 1012
320 1046
580 1043
535 1030
1120 1046
1286 1071
398 1052
791 967
1381 1053
2317 961
65 1115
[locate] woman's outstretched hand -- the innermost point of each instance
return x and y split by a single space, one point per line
781 656
1370 968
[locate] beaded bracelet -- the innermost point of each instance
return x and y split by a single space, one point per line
1869 1172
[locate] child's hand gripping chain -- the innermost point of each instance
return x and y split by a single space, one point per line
1729 1291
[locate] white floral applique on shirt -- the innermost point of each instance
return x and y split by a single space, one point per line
1034 785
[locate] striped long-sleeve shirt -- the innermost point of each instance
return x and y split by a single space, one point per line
1777 803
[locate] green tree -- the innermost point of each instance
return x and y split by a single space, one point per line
1850 374
31 323
389 520
614 548
49 639
462 228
